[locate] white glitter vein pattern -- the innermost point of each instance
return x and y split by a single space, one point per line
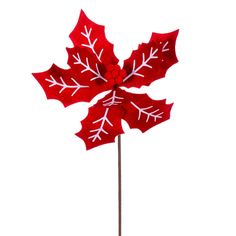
113 100
101 129
91 45
64 86
86 65
153 114
144 63
164 48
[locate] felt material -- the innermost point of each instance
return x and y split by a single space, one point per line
93 69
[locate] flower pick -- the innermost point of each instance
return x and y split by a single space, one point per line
94 69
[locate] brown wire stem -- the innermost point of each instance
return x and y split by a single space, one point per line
119 186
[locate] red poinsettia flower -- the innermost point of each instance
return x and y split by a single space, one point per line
94 69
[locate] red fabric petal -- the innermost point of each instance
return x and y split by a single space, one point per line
151 60
69 86
143 113
102 124
86 64
92 36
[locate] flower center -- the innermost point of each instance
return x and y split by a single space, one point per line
115 75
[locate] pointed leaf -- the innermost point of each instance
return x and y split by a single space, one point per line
102 124
68 86
151 60
85 63
90 35
143 113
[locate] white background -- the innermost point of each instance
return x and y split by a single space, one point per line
179 178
